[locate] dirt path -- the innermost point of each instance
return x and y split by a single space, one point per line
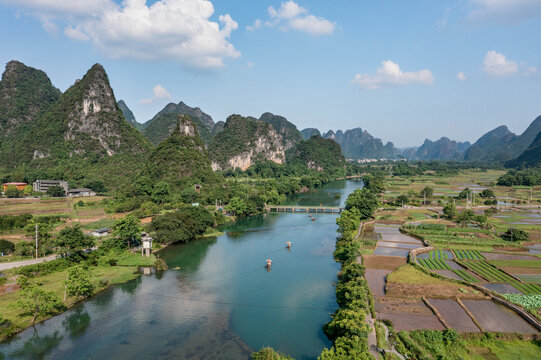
393 351
372 340
15 264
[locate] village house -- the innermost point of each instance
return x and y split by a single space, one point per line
44 185
81 192
18 185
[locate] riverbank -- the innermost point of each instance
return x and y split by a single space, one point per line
13 320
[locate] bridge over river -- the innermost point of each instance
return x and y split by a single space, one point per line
305 209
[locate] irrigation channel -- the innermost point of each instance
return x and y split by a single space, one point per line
217 301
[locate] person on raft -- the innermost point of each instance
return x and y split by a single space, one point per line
288 244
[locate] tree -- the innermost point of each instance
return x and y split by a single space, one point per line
78 283
72 239
449 211
44 235
464 194
13 192
427 192
35 301
56 191
269 354
514 234
237 206
487 193
128 230
466 216
364 200
161 192
401 200
349 220
28 190
375 183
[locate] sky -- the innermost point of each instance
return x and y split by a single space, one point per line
402 70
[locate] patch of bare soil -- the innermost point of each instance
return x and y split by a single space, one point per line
376 280
428 290
497 256
6 289
382 262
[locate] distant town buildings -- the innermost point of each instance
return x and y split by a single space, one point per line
18 185
44 185
81 192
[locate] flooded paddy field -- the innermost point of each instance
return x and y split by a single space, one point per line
496 317
499 256
401 245
376 280
448 274
387 251
406 314
454 315
502 288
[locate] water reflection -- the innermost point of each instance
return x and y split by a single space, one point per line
37 347
76 323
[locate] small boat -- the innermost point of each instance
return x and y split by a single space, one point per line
268 264
313 219
288 244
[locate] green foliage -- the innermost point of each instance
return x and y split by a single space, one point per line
363 200
450 211
13 192
528 301
526 177
72 239
465 193
183 225
127 231
238 206
78 283
11 222
159 128
427 192
349 220
269 354
487 193
375 182
56 191
465 217
6 247
318 154
37 302
514 234
347 323
161 192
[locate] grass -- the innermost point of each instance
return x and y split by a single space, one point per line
135 259
408 274
55 282
468 254
434 264
103 223
380 336
509 350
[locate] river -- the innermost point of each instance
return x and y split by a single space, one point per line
217 301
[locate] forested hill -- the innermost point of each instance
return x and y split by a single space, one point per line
290 134
243 141
25 95
179 160
530 157
318 154
501 144
163 123
128 114
442 149
359 144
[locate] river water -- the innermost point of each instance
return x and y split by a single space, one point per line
217 301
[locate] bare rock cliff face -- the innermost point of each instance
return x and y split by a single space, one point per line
244 140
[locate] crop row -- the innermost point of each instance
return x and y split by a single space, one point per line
489 272
528 289
466 276
437 254
468 255
434 264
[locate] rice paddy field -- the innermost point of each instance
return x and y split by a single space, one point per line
452 185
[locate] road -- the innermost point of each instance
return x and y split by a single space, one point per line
15 264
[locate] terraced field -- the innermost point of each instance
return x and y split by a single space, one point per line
468 255
487 271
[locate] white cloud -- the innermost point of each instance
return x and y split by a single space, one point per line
250 64
461 76
443 22
160 93
257 24
75 33
178 30
390 74
312 25
291 15
531 70
496 64
505 10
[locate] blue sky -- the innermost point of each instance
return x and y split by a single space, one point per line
402 70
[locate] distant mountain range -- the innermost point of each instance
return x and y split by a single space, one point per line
85 135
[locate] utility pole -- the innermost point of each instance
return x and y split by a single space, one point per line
36 240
